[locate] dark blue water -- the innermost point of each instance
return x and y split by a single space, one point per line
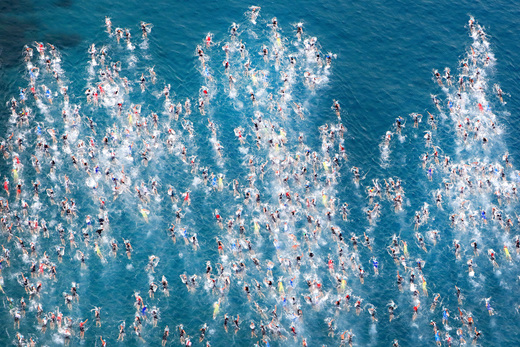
382 69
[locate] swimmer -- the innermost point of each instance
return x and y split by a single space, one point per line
142 82
508 255
475 248
153 76
255 11
470 268
146 28
98 251
372 312
367 243
203 332
82 329
108 24
48 93
187 198
299 32
391 310
490 309
236 321
166 333
415 310
344 211
476 336
97 316
498 92
375 264
424 288
492 258
445 316
128 248
438 77
459 295
144 213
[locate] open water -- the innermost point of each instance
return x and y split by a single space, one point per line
382 59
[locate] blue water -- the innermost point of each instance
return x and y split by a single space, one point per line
382 69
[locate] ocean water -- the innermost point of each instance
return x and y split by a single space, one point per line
381 69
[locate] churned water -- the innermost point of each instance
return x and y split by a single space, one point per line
262 123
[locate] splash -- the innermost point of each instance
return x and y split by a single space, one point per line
236 192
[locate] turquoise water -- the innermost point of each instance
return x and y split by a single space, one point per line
382 69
